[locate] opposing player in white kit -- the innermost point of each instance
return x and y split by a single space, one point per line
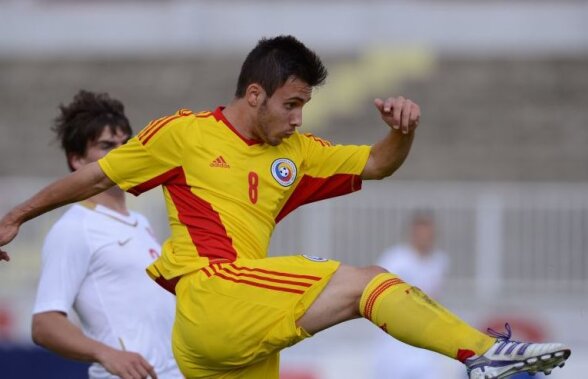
421 263
94 261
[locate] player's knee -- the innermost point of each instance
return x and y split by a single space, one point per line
359 275
357 278
373 271
377 269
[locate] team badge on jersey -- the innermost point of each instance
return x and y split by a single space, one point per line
284 171
314 258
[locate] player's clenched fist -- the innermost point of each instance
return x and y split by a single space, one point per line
399 113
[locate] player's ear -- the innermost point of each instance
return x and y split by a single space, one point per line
75 161
255 95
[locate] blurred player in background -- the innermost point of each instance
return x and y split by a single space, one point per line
228 177
421 263
94 261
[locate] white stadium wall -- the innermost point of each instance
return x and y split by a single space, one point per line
52 28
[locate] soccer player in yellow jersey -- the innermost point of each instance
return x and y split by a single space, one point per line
228 176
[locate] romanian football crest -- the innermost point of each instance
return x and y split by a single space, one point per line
284 171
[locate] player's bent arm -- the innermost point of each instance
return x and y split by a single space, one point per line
79 185
53 331
387 155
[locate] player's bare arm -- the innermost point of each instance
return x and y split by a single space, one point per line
79 185
387 155
55 332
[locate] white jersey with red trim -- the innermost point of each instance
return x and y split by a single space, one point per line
94 262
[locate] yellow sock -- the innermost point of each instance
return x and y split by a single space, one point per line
407 314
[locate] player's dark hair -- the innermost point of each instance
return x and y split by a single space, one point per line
275 60
83 120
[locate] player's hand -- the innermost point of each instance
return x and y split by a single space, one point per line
127 365
399 113
7 233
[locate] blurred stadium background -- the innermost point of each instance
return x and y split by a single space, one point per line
501 156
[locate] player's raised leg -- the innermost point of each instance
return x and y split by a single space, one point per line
398 308
409 315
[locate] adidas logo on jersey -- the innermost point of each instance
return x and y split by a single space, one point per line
220 162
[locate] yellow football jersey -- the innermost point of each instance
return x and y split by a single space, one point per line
224 193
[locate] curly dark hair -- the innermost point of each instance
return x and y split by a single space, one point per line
275 60
83 120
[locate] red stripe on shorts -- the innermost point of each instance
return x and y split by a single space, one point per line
277 273
254 284
267 279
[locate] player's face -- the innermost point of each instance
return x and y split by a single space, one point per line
105 142
423 237
280 115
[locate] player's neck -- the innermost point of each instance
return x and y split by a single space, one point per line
239 114
114 199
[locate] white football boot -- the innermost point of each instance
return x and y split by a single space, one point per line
506 358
